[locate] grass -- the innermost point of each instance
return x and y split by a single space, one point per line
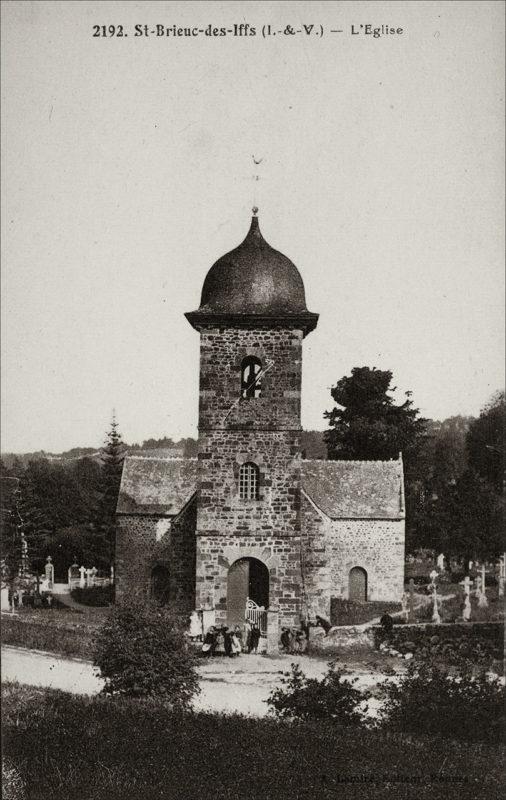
65 746
67 633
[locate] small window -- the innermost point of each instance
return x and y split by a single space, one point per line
251 381
248 481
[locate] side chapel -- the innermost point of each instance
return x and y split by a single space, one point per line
250 520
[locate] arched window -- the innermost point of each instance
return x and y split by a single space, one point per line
248 481
251 381
160 584
357 586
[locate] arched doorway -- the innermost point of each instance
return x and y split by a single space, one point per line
160 584
357 587
247 577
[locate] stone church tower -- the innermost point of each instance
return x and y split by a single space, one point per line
252 321
250 527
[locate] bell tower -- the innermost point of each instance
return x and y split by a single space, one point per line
252 321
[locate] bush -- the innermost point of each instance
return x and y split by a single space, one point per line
334 697
429 700
96 596
142 651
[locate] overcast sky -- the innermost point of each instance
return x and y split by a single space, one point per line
127 172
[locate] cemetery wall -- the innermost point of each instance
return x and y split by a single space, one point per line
473 640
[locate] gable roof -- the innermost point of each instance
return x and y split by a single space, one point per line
156 485
355 489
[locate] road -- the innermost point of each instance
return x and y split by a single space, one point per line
227 686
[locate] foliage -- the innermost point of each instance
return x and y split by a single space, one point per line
103 748
313 444
334 697
368 424
142 651
467 519
430 700
97 596
112 457
486 440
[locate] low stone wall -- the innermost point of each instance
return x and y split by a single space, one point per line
345 637
479 642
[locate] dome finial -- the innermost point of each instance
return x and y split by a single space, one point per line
255 210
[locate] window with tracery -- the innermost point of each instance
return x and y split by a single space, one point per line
249 481
251 381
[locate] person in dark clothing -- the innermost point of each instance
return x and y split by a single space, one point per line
228 641
387 623
255 638
209 642
323 623
286 639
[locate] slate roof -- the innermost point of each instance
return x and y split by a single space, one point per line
341 489
355 489
156 485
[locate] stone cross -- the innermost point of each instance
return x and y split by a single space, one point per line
435 613
502 574
405 605
411 598
89 577
93 573
82 579
49 571
466 613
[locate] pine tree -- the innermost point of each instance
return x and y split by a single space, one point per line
112 456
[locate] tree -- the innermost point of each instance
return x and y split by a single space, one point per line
486 442
369 425
112 456
466 520
142 651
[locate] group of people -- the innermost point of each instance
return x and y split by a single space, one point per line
223 641
293 640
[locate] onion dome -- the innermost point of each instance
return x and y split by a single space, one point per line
254 283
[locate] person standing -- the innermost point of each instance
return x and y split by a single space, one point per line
255 638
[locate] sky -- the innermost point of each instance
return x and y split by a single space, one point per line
127 171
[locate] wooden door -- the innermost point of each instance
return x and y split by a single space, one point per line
358 585
237 591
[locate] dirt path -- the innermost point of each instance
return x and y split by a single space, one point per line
240 686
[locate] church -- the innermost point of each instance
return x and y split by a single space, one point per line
250 527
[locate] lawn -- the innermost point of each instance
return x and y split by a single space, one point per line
96 748
62 631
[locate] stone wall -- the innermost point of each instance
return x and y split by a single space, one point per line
265 431
143 542
331 548
222 351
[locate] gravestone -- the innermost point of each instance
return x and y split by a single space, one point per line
435 611
82 577
441 562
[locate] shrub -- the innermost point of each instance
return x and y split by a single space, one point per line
95 596
142 651
429 700
334 697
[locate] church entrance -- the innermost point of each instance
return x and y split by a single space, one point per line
357 590
248 578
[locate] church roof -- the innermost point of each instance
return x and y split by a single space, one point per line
355 489
156 485
341 489
253 280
